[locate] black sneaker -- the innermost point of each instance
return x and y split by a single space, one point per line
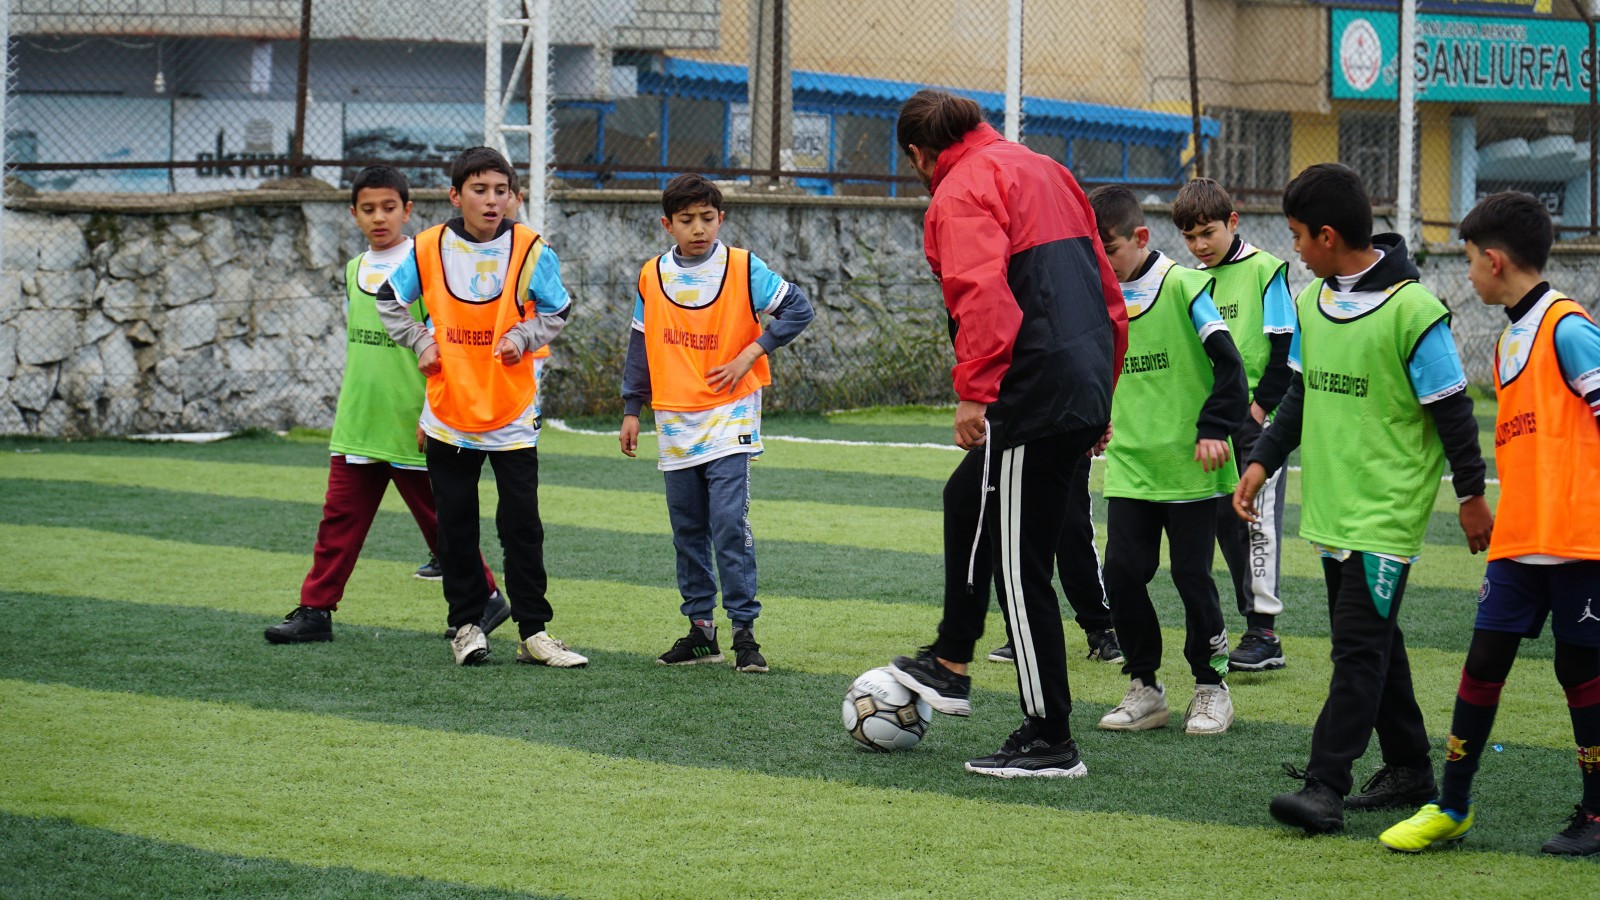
746 652
1103 646
301 626
429 571
692 649
1581 837
1393 787
1025 755
1004 654
1316 807
1259 651
944 690
495 614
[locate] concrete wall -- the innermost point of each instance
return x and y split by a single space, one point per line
206 312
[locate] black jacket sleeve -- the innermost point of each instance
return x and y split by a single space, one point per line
1283 437
1225 409
1458 431
1274 381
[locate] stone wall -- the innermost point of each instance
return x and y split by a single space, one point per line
206 312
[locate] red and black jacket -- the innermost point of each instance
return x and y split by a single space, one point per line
1036 313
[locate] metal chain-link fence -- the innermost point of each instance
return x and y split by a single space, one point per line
150 283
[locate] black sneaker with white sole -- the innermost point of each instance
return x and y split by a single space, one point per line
429 571
694 648
1259 651
1026 755
746 652
494 615
944 690
1103 646
1006 654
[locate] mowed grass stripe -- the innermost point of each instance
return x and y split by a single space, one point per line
836 637
856 527
627 828
785 723
56 858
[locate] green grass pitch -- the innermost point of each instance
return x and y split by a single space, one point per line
155 745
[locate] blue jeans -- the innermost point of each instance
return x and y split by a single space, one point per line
709 506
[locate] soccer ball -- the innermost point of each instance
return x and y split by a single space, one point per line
882 715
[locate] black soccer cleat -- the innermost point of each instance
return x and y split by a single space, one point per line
1026 755
1316 808
303 625
1581 837
1395 787
944 690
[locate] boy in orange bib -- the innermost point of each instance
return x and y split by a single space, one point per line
1544 555
697 355
493 294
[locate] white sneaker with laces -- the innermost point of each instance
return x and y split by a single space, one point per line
1211 710
1143 708
544 650
470 645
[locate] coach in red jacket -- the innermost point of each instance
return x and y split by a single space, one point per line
1040 331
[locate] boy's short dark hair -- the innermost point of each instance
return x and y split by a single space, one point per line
689 190
1331 194
380 177
1514 223
475 160
1116 211
1201 202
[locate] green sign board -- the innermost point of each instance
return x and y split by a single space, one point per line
1459 59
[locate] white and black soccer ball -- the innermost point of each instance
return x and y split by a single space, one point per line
881 714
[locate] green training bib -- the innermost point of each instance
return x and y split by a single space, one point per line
380 398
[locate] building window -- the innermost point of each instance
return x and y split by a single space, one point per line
1096 160
1051 145
1370 144
1252 151
1147 162
863 145
695 133
577 135
633 132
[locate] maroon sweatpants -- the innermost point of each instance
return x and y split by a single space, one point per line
354 492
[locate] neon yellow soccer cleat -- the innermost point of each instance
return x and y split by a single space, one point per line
1431 825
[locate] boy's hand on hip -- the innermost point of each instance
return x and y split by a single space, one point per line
1478 523
1211 453
1257 413
1244 494
972 429
628 437
728 375
428 361
422 440
508 352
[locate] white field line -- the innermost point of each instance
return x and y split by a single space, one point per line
560 425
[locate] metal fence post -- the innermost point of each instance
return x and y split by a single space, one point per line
297 151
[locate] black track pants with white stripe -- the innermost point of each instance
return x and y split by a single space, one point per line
1023 516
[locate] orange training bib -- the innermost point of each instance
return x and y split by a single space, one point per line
684 343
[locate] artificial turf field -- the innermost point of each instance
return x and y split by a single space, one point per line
154 745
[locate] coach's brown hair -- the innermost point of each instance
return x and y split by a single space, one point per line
1199 202
933 120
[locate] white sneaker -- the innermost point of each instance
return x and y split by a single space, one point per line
1211 710
1142 708
470 645
544 650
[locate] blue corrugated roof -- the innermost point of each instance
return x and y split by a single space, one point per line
849 90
